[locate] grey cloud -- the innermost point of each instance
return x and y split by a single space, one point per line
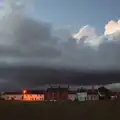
34 40
27 42
63 33
30 32
31 39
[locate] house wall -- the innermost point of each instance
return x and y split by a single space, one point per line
33 97
113 97
63 96
82 96
92 97
51 96
72 97
10 97
47 95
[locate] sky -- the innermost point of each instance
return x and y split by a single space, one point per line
59 41
78 13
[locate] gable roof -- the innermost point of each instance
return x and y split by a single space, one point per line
12 93
72 92
81 90
92 91
28 92
35 91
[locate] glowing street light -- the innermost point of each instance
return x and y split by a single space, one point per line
24 91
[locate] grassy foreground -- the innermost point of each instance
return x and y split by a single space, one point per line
89 110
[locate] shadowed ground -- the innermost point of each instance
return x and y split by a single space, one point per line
90 110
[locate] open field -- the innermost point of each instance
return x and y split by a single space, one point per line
89 110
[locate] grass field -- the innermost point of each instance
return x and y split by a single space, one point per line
89 110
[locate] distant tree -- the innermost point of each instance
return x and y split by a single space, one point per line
105 93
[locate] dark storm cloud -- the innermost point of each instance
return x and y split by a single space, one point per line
32 54
34 39
29 76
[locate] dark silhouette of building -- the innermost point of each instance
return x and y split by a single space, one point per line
56 94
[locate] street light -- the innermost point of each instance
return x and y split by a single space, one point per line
24 91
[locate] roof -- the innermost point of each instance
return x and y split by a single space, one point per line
72 92
12 93
28 92
92 91
35 91
115 93
81 90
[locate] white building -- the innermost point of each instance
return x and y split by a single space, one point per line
81 95
12 96
72 95
92 94
24 95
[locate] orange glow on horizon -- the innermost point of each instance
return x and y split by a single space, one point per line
24 91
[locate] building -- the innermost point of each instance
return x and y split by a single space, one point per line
115 95
118 95
81 94
25 95
56 94
92 94
72 95
12 96
33 95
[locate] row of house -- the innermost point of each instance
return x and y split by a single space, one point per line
25 95
57 94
